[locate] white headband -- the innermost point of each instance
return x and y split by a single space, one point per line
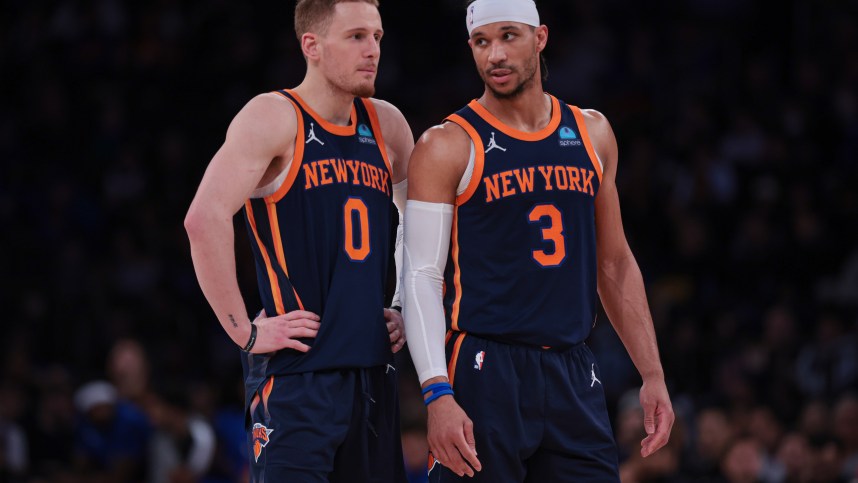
484 12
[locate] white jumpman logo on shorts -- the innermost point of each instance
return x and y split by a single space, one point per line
493 144
593 375
312 136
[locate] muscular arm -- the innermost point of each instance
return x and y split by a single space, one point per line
434 172
262 131
435 169
621 289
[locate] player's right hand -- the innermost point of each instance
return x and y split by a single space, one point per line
283 331
451 437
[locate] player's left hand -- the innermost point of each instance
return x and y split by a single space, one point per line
658 415
395 328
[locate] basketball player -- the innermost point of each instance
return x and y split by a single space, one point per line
512 206
314 169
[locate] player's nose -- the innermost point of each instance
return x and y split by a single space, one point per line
373 49
497 53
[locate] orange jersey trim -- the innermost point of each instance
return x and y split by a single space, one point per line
376 128
479 158
272 276
585 136
325 124
515 133
266 393
278 245
454 358
297 157
457 273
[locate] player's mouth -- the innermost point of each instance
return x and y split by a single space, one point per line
368 69
501 76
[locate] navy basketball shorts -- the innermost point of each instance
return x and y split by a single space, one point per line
329 426
539 415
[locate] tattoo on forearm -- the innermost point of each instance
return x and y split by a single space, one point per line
232 319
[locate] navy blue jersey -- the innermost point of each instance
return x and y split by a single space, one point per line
322 243
522 264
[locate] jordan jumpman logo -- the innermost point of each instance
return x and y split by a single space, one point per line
593 375
312 136
493 144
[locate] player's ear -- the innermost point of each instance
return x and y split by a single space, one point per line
310 46
541 33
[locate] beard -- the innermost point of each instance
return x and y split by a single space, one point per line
364 90
527 77
357 88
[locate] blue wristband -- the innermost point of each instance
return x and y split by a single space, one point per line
438 389
435 387
436 395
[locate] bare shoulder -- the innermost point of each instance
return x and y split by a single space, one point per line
444 142
439 160
267 117
597 123
270 106
602 137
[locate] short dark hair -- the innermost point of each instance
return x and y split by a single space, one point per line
315 15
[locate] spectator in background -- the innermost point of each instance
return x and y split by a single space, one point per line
183 445
112 435
714 433
829 365
826 462
128 367
794 457
743 463
815 420
846 431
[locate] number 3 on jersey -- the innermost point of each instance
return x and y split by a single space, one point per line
355 210
553 233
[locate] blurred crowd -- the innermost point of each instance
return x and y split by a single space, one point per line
738 131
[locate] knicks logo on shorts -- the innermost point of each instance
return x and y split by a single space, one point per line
478 360
260 439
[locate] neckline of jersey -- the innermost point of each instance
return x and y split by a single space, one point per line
325 124
515 133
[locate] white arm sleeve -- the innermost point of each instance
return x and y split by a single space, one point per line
427 242
400 190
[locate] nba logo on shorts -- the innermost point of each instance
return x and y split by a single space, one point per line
478 360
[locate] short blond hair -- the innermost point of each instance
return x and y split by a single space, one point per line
315 15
